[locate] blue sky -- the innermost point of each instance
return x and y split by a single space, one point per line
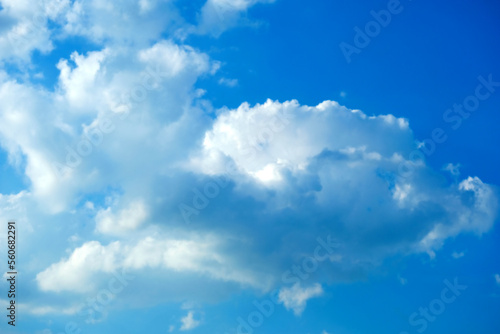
224 167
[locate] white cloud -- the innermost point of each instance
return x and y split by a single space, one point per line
298 151
39 310
497 278
259 137
25 25
78 84
24 28
219 15
402 280
296 297
457 255
195 255
188 322
454 169
170 59
228 82
43 310
96 89
76 273
117 22
285 157
127 219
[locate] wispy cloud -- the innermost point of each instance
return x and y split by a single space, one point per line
296 297
228 82
188 322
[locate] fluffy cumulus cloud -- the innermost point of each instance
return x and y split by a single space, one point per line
283 165
100 97
27 27
24 27
294 157
130 166
105 21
